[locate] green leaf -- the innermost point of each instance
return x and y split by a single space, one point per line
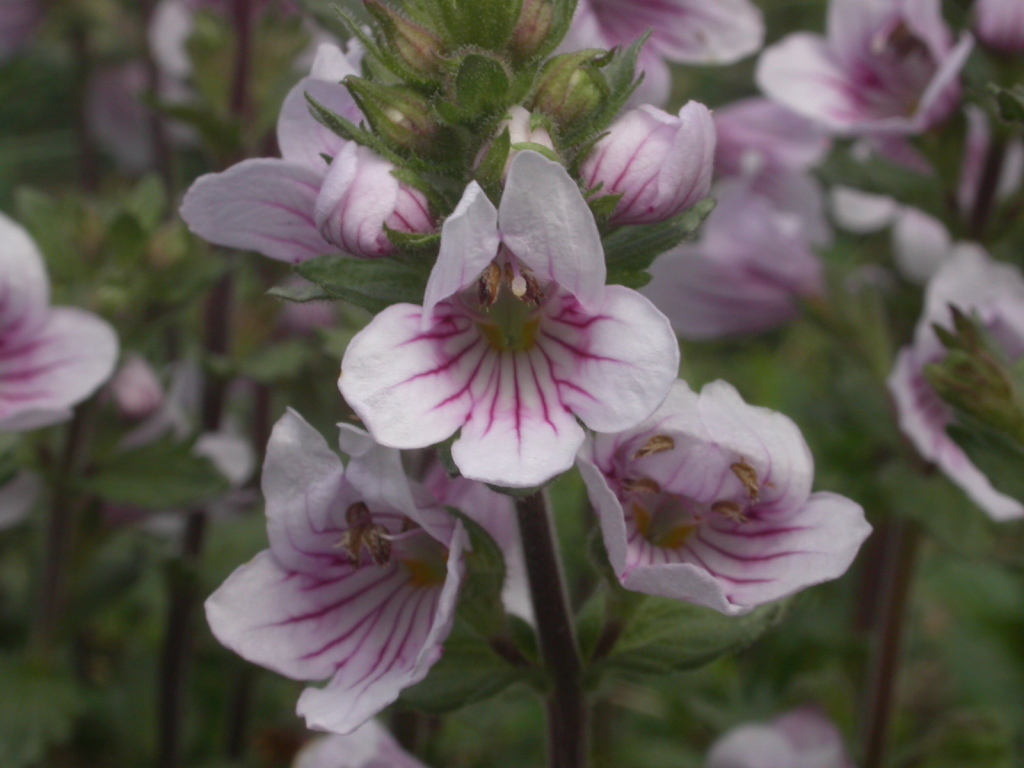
299 292
663 636
480 602
162 475
630 251
277 362
37 710
1010 101
373 284
469 671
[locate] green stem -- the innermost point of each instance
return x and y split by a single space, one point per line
568 715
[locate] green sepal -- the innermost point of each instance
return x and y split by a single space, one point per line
480 603
350 131
482 84
997 454
630 251
373 284
491 171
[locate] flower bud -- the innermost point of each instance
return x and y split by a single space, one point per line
533 28
360 196
571 88
417 47
1000 24
136 390
660 164
400 115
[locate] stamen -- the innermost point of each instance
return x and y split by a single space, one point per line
641 485
362 534
489 285
657 444
730 510
748 476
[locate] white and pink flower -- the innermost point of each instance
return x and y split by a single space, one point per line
803 738
886 66
660 164
1000 24
51 358
298 207
710 501
369 746
360 582
518 338
682 31
994 293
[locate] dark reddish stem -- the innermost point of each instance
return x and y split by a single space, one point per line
568 715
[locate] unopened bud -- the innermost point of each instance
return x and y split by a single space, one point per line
416 46
136 389
571 87
400 115
533 29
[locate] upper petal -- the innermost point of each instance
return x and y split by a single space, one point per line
263 205
306 497
547 224
469 242
24 286
43 375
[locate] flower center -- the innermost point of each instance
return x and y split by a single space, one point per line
668 522
508 297
425 559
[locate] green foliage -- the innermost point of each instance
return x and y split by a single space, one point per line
162 475
37 710
1010 102
372 284
630 251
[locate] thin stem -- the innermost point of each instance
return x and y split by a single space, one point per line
162 154
242 17
900 544
64 510
988 188
567 707
88 165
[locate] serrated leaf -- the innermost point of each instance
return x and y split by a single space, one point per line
663 636
469 671
633 249
162 475
373 284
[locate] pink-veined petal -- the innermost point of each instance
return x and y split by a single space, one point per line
306 497
24 286
411 385
264 205
45 374
469 242
547 224
518 433
399 652
753 746
625 370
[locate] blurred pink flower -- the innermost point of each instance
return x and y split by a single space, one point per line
1000 24
18 22
51 358
886 66
709 501
682 31
994 293
803 738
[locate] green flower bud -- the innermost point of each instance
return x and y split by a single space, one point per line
398 114
536 20
415 46
571 87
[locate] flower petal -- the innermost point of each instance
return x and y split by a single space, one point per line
398 652
626 367
469 242
44 375
24 286
306 497
519 433
300 136
263 205
369 746
411 387
547 224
